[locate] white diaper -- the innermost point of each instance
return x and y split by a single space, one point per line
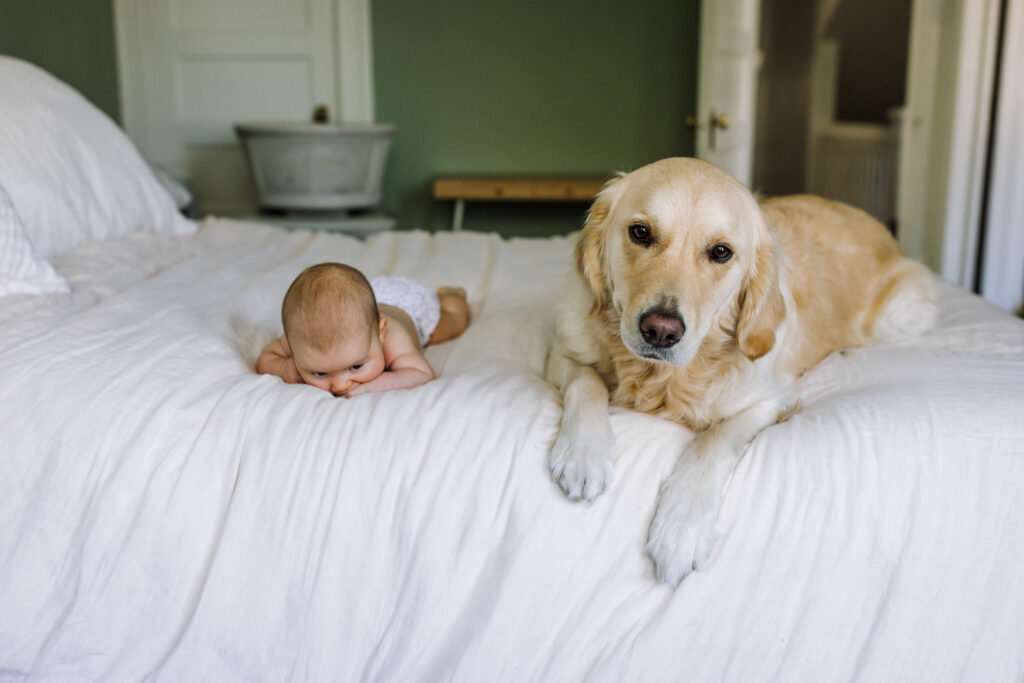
420 303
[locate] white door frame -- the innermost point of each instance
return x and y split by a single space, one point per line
944 141
727 71
355 61
1002 277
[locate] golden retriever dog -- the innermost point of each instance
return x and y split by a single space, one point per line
694 302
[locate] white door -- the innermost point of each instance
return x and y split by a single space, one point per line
191 69
727 85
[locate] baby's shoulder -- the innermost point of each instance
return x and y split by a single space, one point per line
400 334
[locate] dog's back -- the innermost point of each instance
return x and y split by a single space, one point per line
850 283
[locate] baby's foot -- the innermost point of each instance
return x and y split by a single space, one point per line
453 301
452 291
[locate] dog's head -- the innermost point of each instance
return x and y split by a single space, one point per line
675 248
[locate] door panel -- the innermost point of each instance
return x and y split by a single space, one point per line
245 16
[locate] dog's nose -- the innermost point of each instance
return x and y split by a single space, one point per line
662 329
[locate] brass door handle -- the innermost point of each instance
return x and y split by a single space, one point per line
716 120
721 121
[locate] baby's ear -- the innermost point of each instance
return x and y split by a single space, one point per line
383 324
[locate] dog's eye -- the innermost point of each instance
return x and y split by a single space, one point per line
640 234
720 253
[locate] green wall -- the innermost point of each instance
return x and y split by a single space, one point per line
479 86
473 86
72 39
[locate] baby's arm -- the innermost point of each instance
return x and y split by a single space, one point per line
276 359
405 366
409 370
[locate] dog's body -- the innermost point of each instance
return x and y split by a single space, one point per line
697 304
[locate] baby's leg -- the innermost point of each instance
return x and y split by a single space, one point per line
454 314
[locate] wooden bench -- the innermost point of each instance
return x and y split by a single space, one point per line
514 188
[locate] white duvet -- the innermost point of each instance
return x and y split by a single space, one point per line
167 514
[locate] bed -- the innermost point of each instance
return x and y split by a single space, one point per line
168 514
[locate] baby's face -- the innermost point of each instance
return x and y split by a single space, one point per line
349 363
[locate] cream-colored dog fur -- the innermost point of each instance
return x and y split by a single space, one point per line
695 303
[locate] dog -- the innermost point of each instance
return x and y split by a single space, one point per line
695 302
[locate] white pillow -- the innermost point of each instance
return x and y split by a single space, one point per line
71 173
20 271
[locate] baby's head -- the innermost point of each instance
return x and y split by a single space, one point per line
333 327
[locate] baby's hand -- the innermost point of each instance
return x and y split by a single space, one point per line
355 391
290 372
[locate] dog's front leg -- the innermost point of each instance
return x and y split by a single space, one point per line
682 533
582 459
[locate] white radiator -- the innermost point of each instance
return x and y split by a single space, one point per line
857 163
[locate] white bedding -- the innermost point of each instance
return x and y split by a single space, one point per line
166 513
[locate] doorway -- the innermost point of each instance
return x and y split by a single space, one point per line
831 92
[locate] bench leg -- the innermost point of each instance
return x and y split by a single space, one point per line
460 211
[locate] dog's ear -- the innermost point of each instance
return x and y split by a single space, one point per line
590 249
762 307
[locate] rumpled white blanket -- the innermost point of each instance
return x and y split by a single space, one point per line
167 514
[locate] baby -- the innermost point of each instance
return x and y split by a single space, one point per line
348 336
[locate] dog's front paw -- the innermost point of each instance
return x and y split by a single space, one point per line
582 465
682 533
